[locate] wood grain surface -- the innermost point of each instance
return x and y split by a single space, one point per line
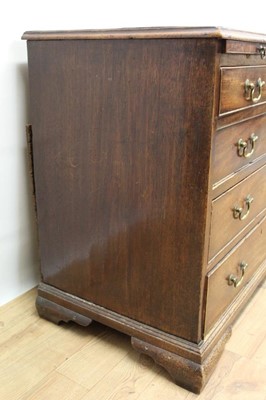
226 159
224 227
219 293
148 33
117 191
233 95
129 138
237 47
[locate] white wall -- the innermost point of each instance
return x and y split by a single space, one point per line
18 244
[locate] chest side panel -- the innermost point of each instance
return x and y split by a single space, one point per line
121 138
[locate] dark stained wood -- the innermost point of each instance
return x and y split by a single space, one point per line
241 234
186 373
125 33
236 60
147 33
229 316
219 293
57 313
224 227
30 165
233 95
226 159
197 353
129 156
240 115
115 213
50 297
237 47
236 177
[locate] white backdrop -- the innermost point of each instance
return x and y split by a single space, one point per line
18 243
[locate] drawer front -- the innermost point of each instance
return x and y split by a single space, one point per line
235 209
226 279
237 146
236 88
238 47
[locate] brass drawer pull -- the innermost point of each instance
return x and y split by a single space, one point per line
239 212
234 280
250 88
242 146
262 51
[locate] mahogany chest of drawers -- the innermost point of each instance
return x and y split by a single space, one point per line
148 157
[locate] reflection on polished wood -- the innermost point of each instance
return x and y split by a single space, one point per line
132 233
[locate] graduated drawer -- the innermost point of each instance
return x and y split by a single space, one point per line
239 47
224 281
237 146
227 219
235 90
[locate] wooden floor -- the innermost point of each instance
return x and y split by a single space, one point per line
39 360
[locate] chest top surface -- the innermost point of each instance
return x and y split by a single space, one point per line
147 33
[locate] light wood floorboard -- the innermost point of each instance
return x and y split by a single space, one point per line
39 360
